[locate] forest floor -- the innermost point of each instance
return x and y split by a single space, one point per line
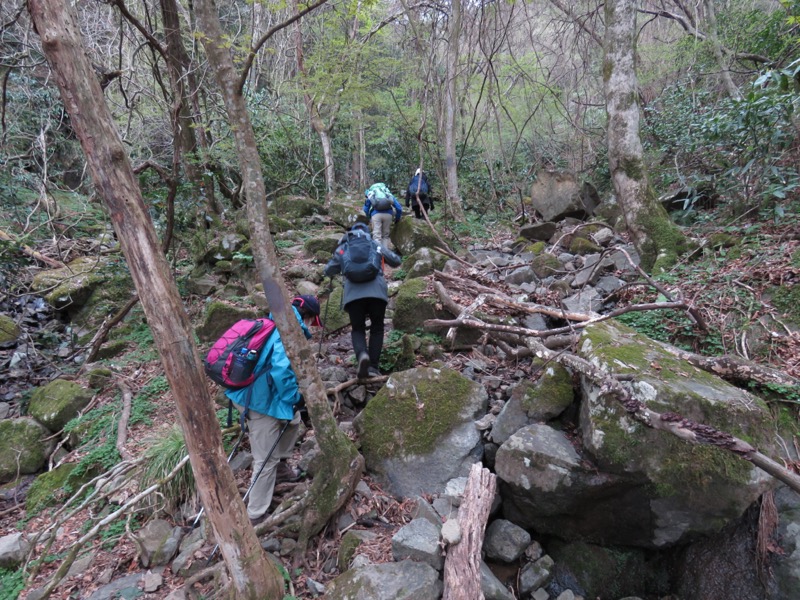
734 290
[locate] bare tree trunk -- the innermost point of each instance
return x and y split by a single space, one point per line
253 575
656 238
317 123
462 567
335 482
716 47
178 65
453 199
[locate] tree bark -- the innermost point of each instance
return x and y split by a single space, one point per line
116 183
336 480
462 567
453 203
656 238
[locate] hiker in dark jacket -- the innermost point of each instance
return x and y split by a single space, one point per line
362 300
269 404
418 193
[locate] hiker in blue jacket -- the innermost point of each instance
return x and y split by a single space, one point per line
268 404
381 207
362 300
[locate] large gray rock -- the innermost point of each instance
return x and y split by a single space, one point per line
14 549
557 195
418 432
786 566
158 542
419 541
627 484
404 580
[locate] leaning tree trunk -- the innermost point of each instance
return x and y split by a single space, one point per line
343 465
451 160
253 575
656 238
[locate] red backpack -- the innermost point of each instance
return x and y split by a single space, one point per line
231 362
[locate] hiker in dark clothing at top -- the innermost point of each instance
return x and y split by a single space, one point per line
418 193
364 299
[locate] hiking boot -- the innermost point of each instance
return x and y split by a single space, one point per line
259 520
286 474
373 372
363 365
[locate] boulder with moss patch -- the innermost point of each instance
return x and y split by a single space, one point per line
423 262
58 402
535 401
409 235
219 317
633 485
322 246
418 432
412 306
545 265
9 330
294 208
49 488
25 446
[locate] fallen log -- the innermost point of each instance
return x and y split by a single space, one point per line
462 566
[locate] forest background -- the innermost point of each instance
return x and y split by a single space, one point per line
484 96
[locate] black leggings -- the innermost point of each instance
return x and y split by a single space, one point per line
359 310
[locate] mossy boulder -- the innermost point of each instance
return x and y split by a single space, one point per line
545 265
692 488
322 247
409 235
99 378
219 317
535 401
348 211
333 315
423 262
55 404
25 446
581 246
418 432
222 247
294 208
723 240
400 354
49 488
9 330
403 580
412 306
349 545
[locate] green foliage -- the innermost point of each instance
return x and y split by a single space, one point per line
161 457
111 533
741 147
11 584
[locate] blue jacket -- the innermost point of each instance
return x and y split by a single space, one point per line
369 210
275 390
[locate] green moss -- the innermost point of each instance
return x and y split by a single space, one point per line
54 404
795 259
545 265
411 421
99 378
9 331
664 241
23 448
787 299
347 549
412 307
536 248
219 316
722 240
111 349
581 246
692 466
333 313
555 391
48 489
323 246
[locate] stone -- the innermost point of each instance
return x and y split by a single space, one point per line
505 541
404 580
418 541
14 550
55 404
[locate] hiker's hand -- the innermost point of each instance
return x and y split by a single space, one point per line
300 404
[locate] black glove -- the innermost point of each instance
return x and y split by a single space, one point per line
300 404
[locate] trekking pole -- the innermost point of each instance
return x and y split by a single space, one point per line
230 457
255 479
